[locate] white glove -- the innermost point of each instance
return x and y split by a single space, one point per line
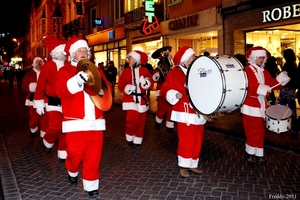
142 80
81 78
156 76
129 89
40 111
283 78
178 95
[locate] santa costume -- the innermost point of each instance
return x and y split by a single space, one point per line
164 108
29 84
133 82
260 84
190 124
83 123
46 98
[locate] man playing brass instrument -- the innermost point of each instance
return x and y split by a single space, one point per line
159 75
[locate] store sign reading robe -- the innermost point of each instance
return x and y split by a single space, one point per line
285 12
150 22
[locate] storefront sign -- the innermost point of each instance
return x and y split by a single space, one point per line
150 22
285 12
184 22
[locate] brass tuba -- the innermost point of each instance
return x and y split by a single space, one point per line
165 63
95 87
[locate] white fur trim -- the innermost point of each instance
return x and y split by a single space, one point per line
187 54
83 125
90 185
258 53
187 118
158 120
61 154
39 103
263 89
59 49
53 108
136 56
32 87
73 86
134 106
169 124
78 44
171 97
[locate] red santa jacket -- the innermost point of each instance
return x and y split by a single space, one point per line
257 90
138 102
182 111
47 83
80 113
29 84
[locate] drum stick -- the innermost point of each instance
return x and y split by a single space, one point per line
275 86
284 116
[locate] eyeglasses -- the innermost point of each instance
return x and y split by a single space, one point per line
83 51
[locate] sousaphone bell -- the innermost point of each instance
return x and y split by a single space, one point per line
95 87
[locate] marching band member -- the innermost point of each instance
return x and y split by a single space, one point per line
29 84
83 122
190 125
133 82
46 99
163 107
260 84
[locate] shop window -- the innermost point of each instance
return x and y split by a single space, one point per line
130 5
174 2
119 9
56 22
93 18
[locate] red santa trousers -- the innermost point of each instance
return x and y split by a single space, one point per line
134 126
85 147
164 110
255 134
190 140
54 132
37 121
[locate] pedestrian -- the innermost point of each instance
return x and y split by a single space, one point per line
272 67
133 82
288 93
83 122
190 124
19 76
164 108
46 100
111 75
260 83
11 77
29 84
101 65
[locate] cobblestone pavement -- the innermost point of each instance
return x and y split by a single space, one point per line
147 173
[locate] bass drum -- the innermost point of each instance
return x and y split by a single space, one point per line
216 84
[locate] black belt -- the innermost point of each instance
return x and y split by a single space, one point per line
142 95
53 101
138 94
31 97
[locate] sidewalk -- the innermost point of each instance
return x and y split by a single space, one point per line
231 124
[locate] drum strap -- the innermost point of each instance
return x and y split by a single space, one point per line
261 98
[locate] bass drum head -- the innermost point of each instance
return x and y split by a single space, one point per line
204 85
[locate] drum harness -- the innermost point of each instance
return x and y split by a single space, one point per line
260 98
136 94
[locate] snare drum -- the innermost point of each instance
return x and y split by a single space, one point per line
216 84
278 118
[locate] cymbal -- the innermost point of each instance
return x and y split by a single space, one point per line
157 53
93 85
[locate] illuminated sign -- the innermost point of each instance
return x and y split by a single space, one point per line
98 22
285 12
150 22
184 22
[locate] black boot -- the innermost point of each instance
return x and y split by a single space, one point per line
171 130
157 126
251 160
260 160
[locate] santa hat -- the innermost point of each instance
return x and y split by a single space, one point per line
182 55
257 51
36 58
254 52
54 44
139 56
74 44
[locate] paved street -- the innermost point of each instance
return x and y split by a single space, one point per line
147 173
